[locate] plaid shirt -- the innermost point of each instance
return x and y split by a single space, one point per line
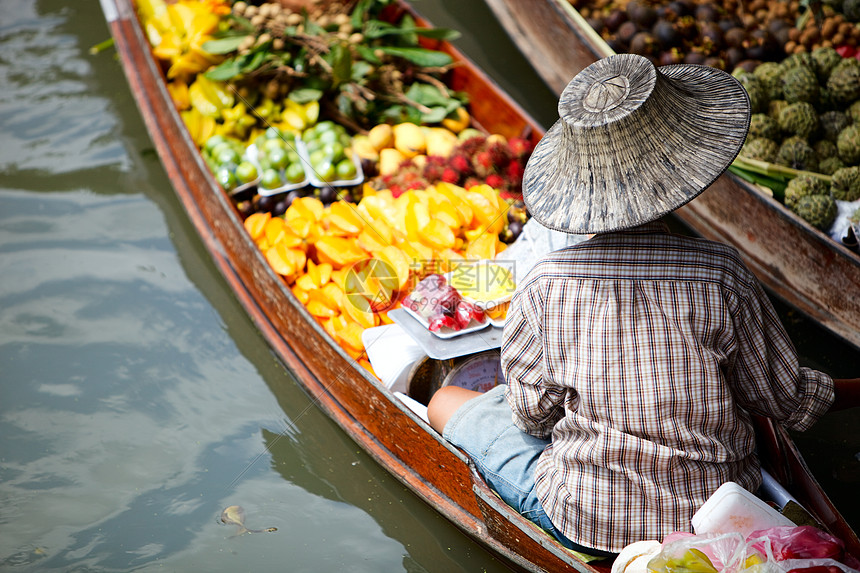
642 354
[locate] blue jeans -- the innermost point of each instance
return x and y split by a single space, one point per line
505 456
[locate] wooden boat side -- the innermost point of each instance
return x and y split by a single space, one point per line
799 263
395 437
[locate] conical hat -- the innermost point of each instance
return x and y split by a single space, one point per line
634 142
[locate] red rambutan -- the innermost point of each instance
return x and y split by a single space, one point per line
450 175
495 180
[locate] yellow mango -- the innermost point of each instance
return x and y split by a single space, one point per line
390 160
300 293
280 260
255 224
350 335
437 235
381 136
344 216
364 149
333 295
399 262
409 139
459 121
371 241
309 208
339 251
357 308
417 217
483 247
318 308
441 142
306 282
275 230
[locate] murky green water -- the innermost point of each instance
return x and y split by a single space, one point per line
136 398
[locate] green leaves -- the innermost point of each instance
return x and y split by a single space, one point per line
377 29
419 56
223 45
234 67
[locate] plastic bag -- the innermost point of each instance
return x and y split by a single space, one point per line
707 553
802 549
441 305
800 542
785 549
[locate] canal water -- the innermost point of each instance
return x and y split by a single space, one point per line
138 401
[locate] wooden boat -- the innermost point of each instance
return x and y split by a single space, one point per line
800 264
398 439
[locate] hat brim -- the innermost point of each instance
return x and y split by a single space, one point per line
595 179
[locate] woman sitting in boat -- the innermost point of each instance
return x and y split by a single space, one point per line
633 360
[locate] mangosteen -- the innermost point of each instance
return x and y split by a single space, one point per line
695 58
706 13
669 57
675 10
644 44
292 196
713 35
749 65
763 46
666 34
245 208
328 195
641 13
516 228
369 167
265 203
727 24
734 56
280 207
615 19
626 32
735 37
687 28
714 62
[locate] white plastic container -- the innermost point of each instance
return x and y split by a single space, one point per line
732 509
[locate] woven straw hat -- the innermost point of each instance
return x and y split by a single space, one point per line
633 143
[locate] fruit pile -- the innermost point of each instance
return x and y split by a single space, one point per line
320 250
724 34
806 117
281 103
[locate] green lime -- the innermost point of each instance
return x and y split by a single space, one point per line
313 145
228 156
226 178
294 173
318 156
324 171
293 156
278 158
273 133
334 151
345 169
325 125
246 172
271 179
213 142
274 144
330 136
